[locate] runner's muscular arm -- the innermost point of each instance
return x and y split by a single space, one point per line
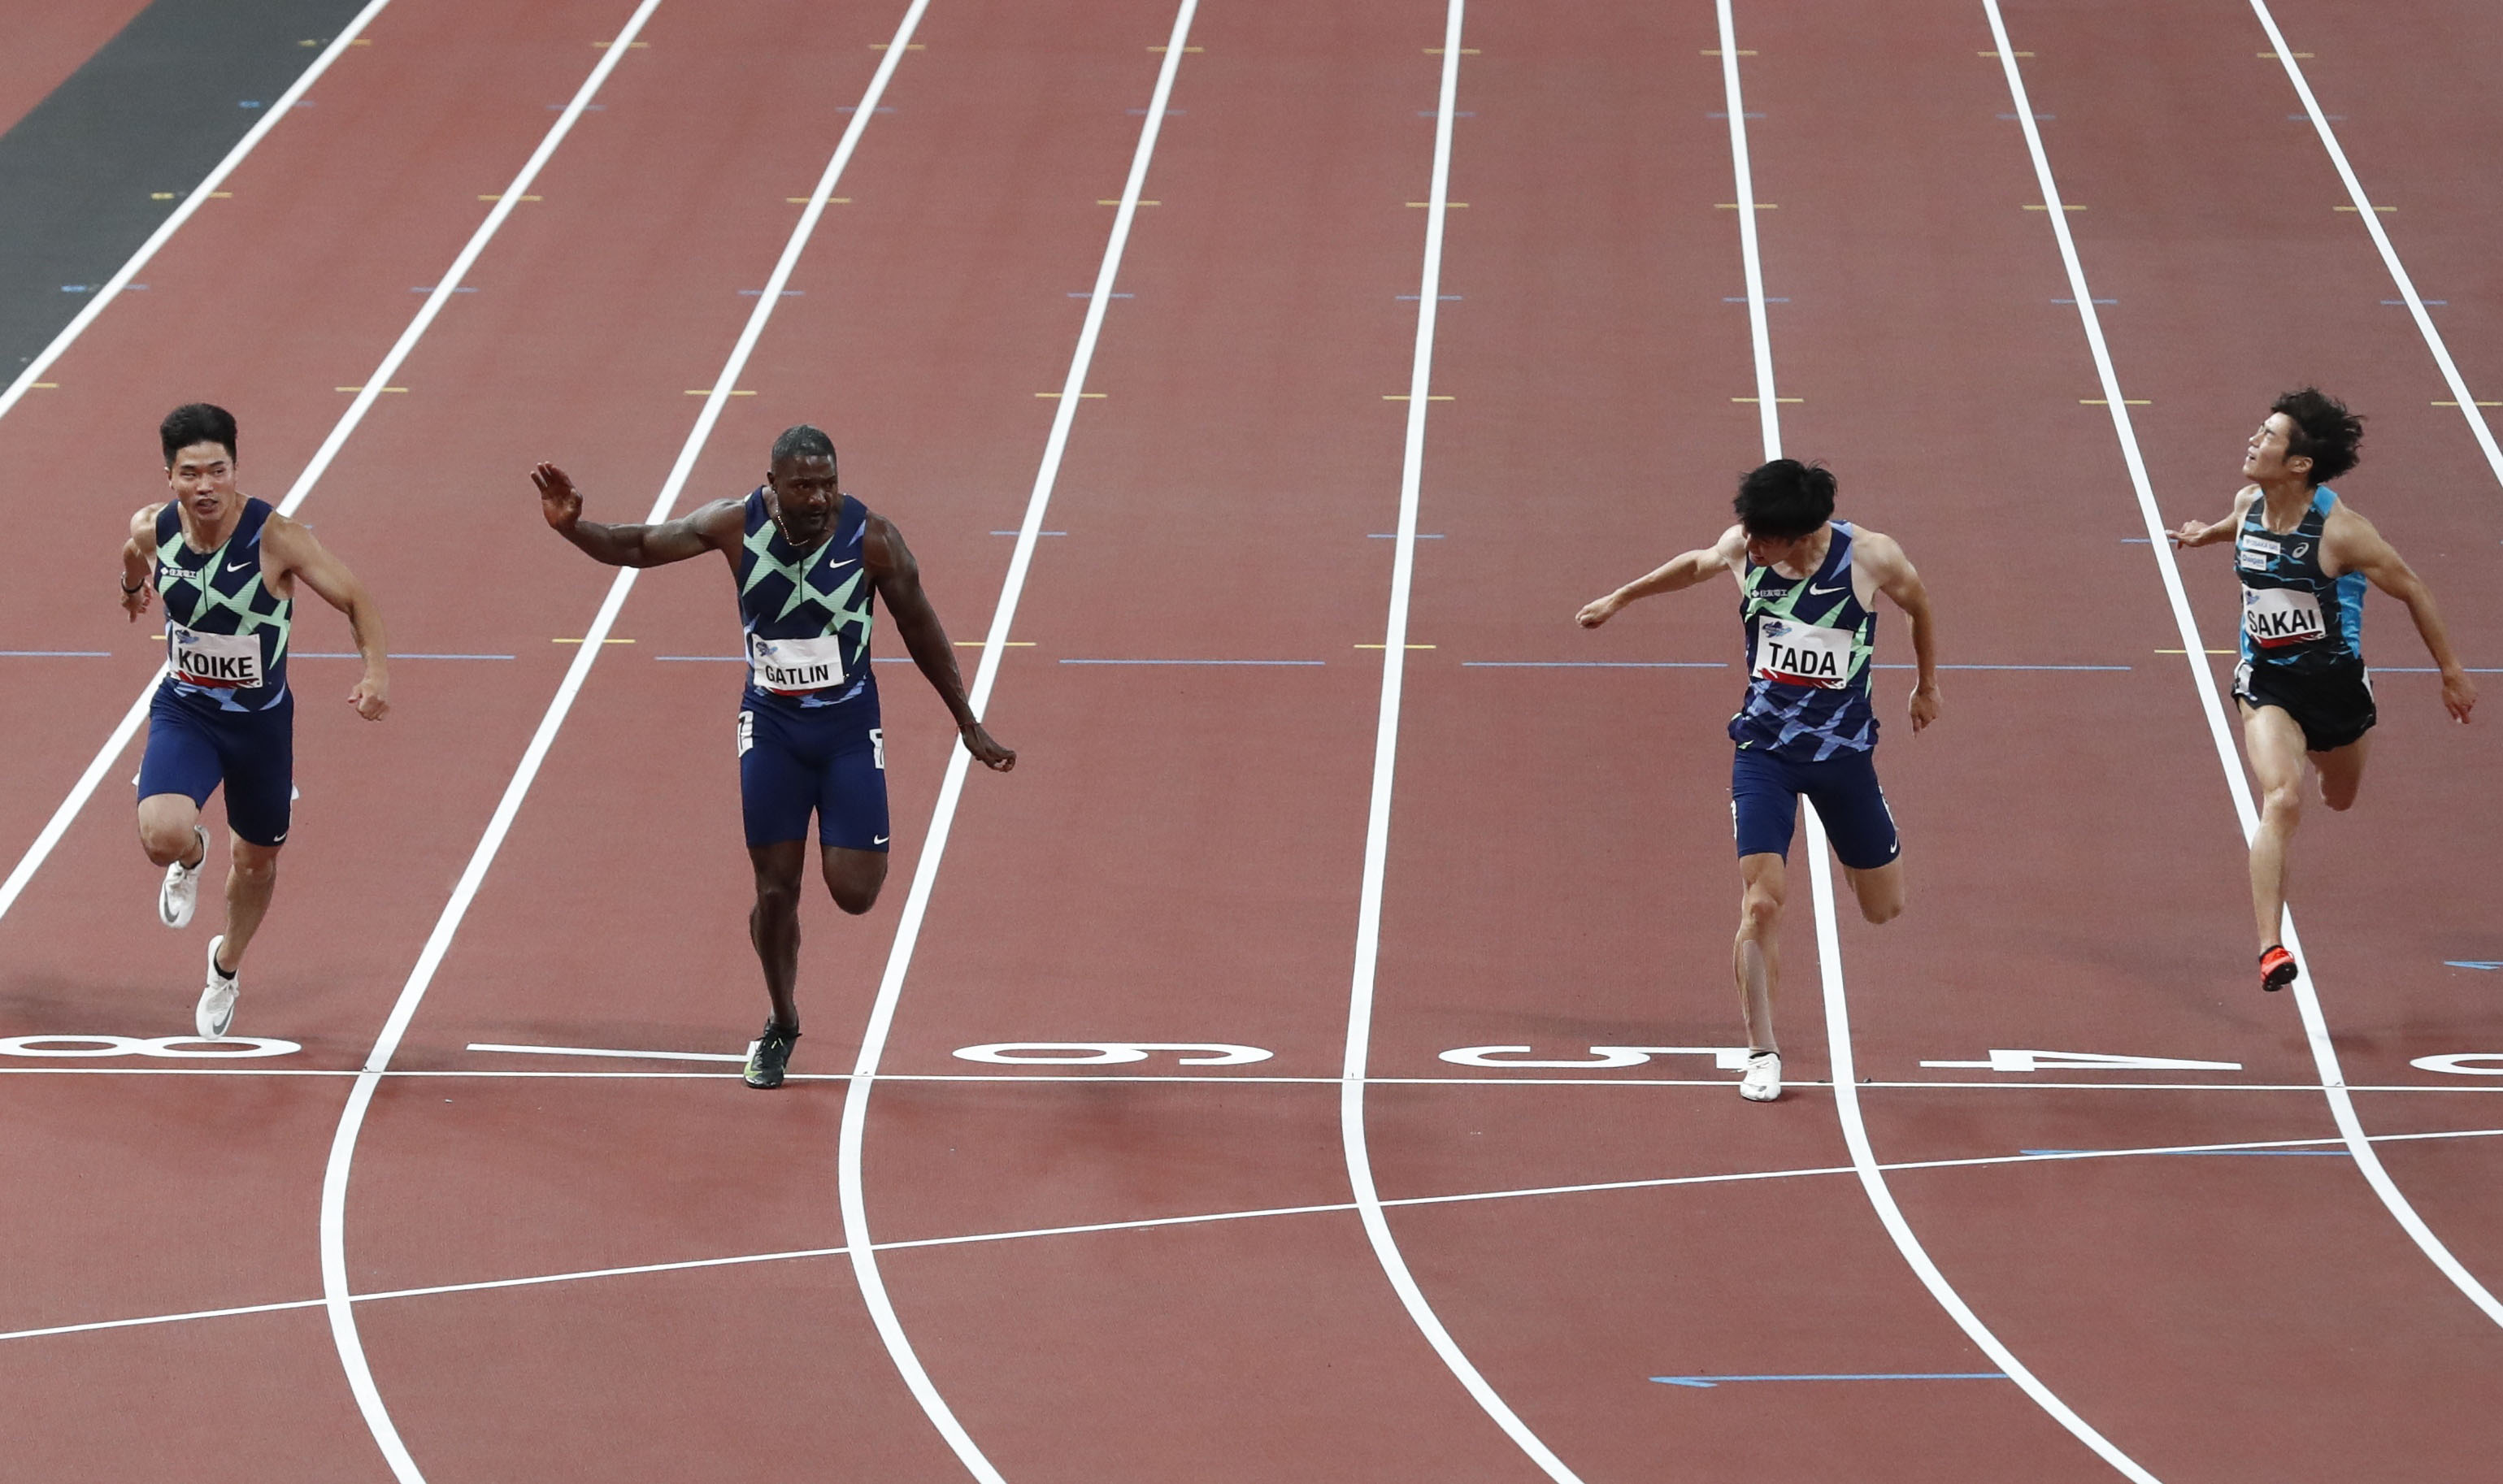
1892 573
2348 543
2203 534
714 527
1681 571
139 562
890 565
289 551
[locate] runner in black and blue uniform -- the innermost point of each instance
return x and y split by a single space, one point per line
1807 589
228 566
2304 558
809 561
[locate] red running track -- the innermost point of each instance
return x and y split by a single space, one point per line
1179 857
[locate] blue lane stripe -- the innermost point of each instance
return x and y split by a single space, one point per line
304 655
1892 1376
1195 662
56 654
2007 667
742 658
1593 665
2485 964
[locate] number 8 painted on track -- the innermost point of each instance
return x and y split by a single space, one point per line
233 1048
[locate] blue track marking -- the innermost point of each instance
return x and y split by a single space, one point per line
300 655
1884 1376
2484 963
1594 664
1195 662
56 654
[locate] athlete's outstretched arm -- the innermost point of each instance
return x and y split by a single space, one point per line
1895 576
2207 532
713 527
1683 570
139 562
890 565
293 550
2350 542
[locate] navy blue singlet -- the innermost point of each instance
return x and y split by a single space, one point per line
1809 647
225 631
2297 619
808 614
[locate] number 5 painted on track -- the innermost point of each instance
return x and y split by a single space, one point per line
1109 1053
1726 1057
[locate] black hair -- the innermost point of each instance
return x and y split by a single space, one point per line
196 423
804 441
2324 432
1785 499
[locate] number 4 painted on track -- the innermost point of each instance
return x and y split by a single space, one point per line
2064 1061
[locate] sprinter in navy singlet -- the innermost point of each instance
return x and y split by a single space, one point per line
809 561
2304 559
1807 586
226 566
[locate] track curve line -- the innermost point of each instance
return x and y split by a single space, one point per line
335 1293
2469 407
2307 997
1829 936
1377 829
283 107
942 816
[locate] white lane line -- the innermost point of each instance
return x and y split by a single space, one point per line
2468 407
632 1056
128 726
343 1144
1210 1218
951 788
1828 936
1377 829
2315 1026
172 223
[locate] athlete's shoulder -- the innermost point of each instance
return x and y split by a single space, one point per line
144 521
1876 549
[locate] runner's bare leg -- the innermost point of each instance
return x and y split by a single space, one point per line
1755 958
250 878
2274 743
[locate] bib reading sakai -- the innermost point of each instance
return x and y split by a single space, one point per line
1809 648
807 613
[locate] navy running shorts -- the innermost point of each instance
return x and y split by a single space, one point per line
2334 707
191 750
827 760
1765 792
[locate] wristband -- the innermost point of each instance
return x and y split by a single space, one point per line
132 589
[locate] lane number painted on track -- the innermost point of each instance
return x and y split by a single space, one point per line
1725 1058
2487 1064
1110 1053
2068 1061
187 1048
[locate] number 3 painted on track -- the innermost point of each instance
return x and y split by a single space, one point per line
187 1048
1108 1053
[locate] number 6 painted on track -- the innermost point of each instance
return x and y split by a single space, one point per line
1725 1058
1108 1053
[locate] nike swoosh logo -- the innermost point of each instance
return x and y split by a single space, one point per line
881 840
1821 591
846 562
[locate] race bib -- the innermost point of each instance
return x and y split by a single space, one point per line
223 661
2278 617
1795 653
790 667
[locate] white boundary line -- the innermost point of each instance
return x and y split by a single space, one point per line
1151 1223
128 726
951 788
2468 409
343 1144
172 223
2315 1026
1377 829
1828 936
